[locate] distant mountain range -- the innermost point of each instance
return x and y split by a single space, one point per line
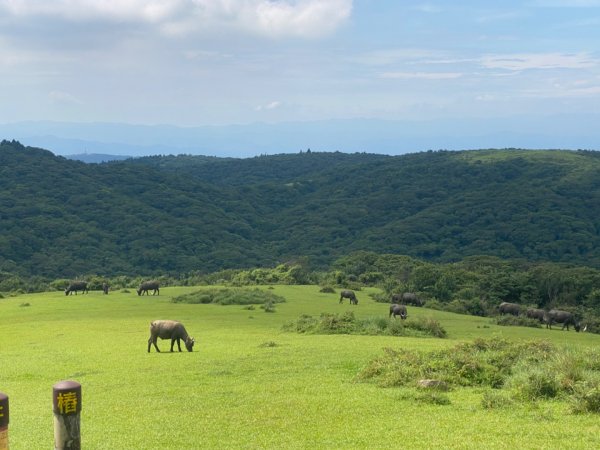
354 135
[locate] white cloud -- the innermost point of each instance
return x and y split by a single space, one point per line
527 61
269 106
76 10
428 8
63 98
563 92
422 75
485 97
272 18
393 56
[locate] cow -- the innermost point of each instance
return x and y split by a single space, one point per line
509 308
564 317
398 310
349 295
147 286
406 298
534 313
77 286
169 329
105 288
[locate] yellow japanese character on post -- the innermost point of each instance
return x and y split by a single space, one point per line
67 402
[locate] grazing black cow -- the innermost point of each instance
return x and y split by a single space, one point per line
406 298
564 317
149 285
77 286
534 313
398 310
509 308
349 295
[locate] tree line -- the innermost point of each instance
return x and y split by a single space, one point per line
475 285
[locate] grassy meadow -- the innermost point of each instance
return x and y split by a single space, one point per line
249 384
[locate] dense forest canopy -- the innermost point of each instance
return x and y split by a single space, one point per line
176 214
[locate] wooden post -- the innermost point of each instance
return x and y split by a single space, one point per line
66 405
3 421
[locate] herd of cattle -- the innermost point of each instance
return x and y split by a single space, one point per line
164 329
82 286
398 304
554 316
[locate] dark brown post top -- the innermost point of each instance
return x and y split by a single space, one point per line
66 398
3 410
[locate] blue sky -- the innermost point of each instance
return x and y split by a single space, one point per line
219 62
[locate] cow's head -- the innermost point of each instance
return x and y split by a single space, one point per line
189 343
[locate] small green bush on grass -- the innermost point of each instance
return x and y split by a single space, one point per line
268 306
526 371
586 397
327 290
494 399
479 363
230 297
433 398
517 321
347 323
535 384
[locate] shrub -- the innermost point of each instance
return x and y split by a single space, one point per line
337 323
347 323
327 290
536 384
483 362
495 400
435 304
586 398
380 297
229 297
518 321
433 398
429 326
268 306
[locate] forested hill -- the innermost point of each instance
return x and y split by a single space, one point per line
64 218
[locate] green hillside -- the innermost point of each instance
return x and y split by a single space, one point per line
174 214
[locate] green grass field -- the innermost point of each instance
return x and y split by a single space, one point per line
248 384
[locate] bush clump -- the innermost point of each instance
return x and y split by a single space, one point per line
586 398
519 321
525 371
230 297
327 290
268 306
479 363
433 398
535 384
494 399
347 323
